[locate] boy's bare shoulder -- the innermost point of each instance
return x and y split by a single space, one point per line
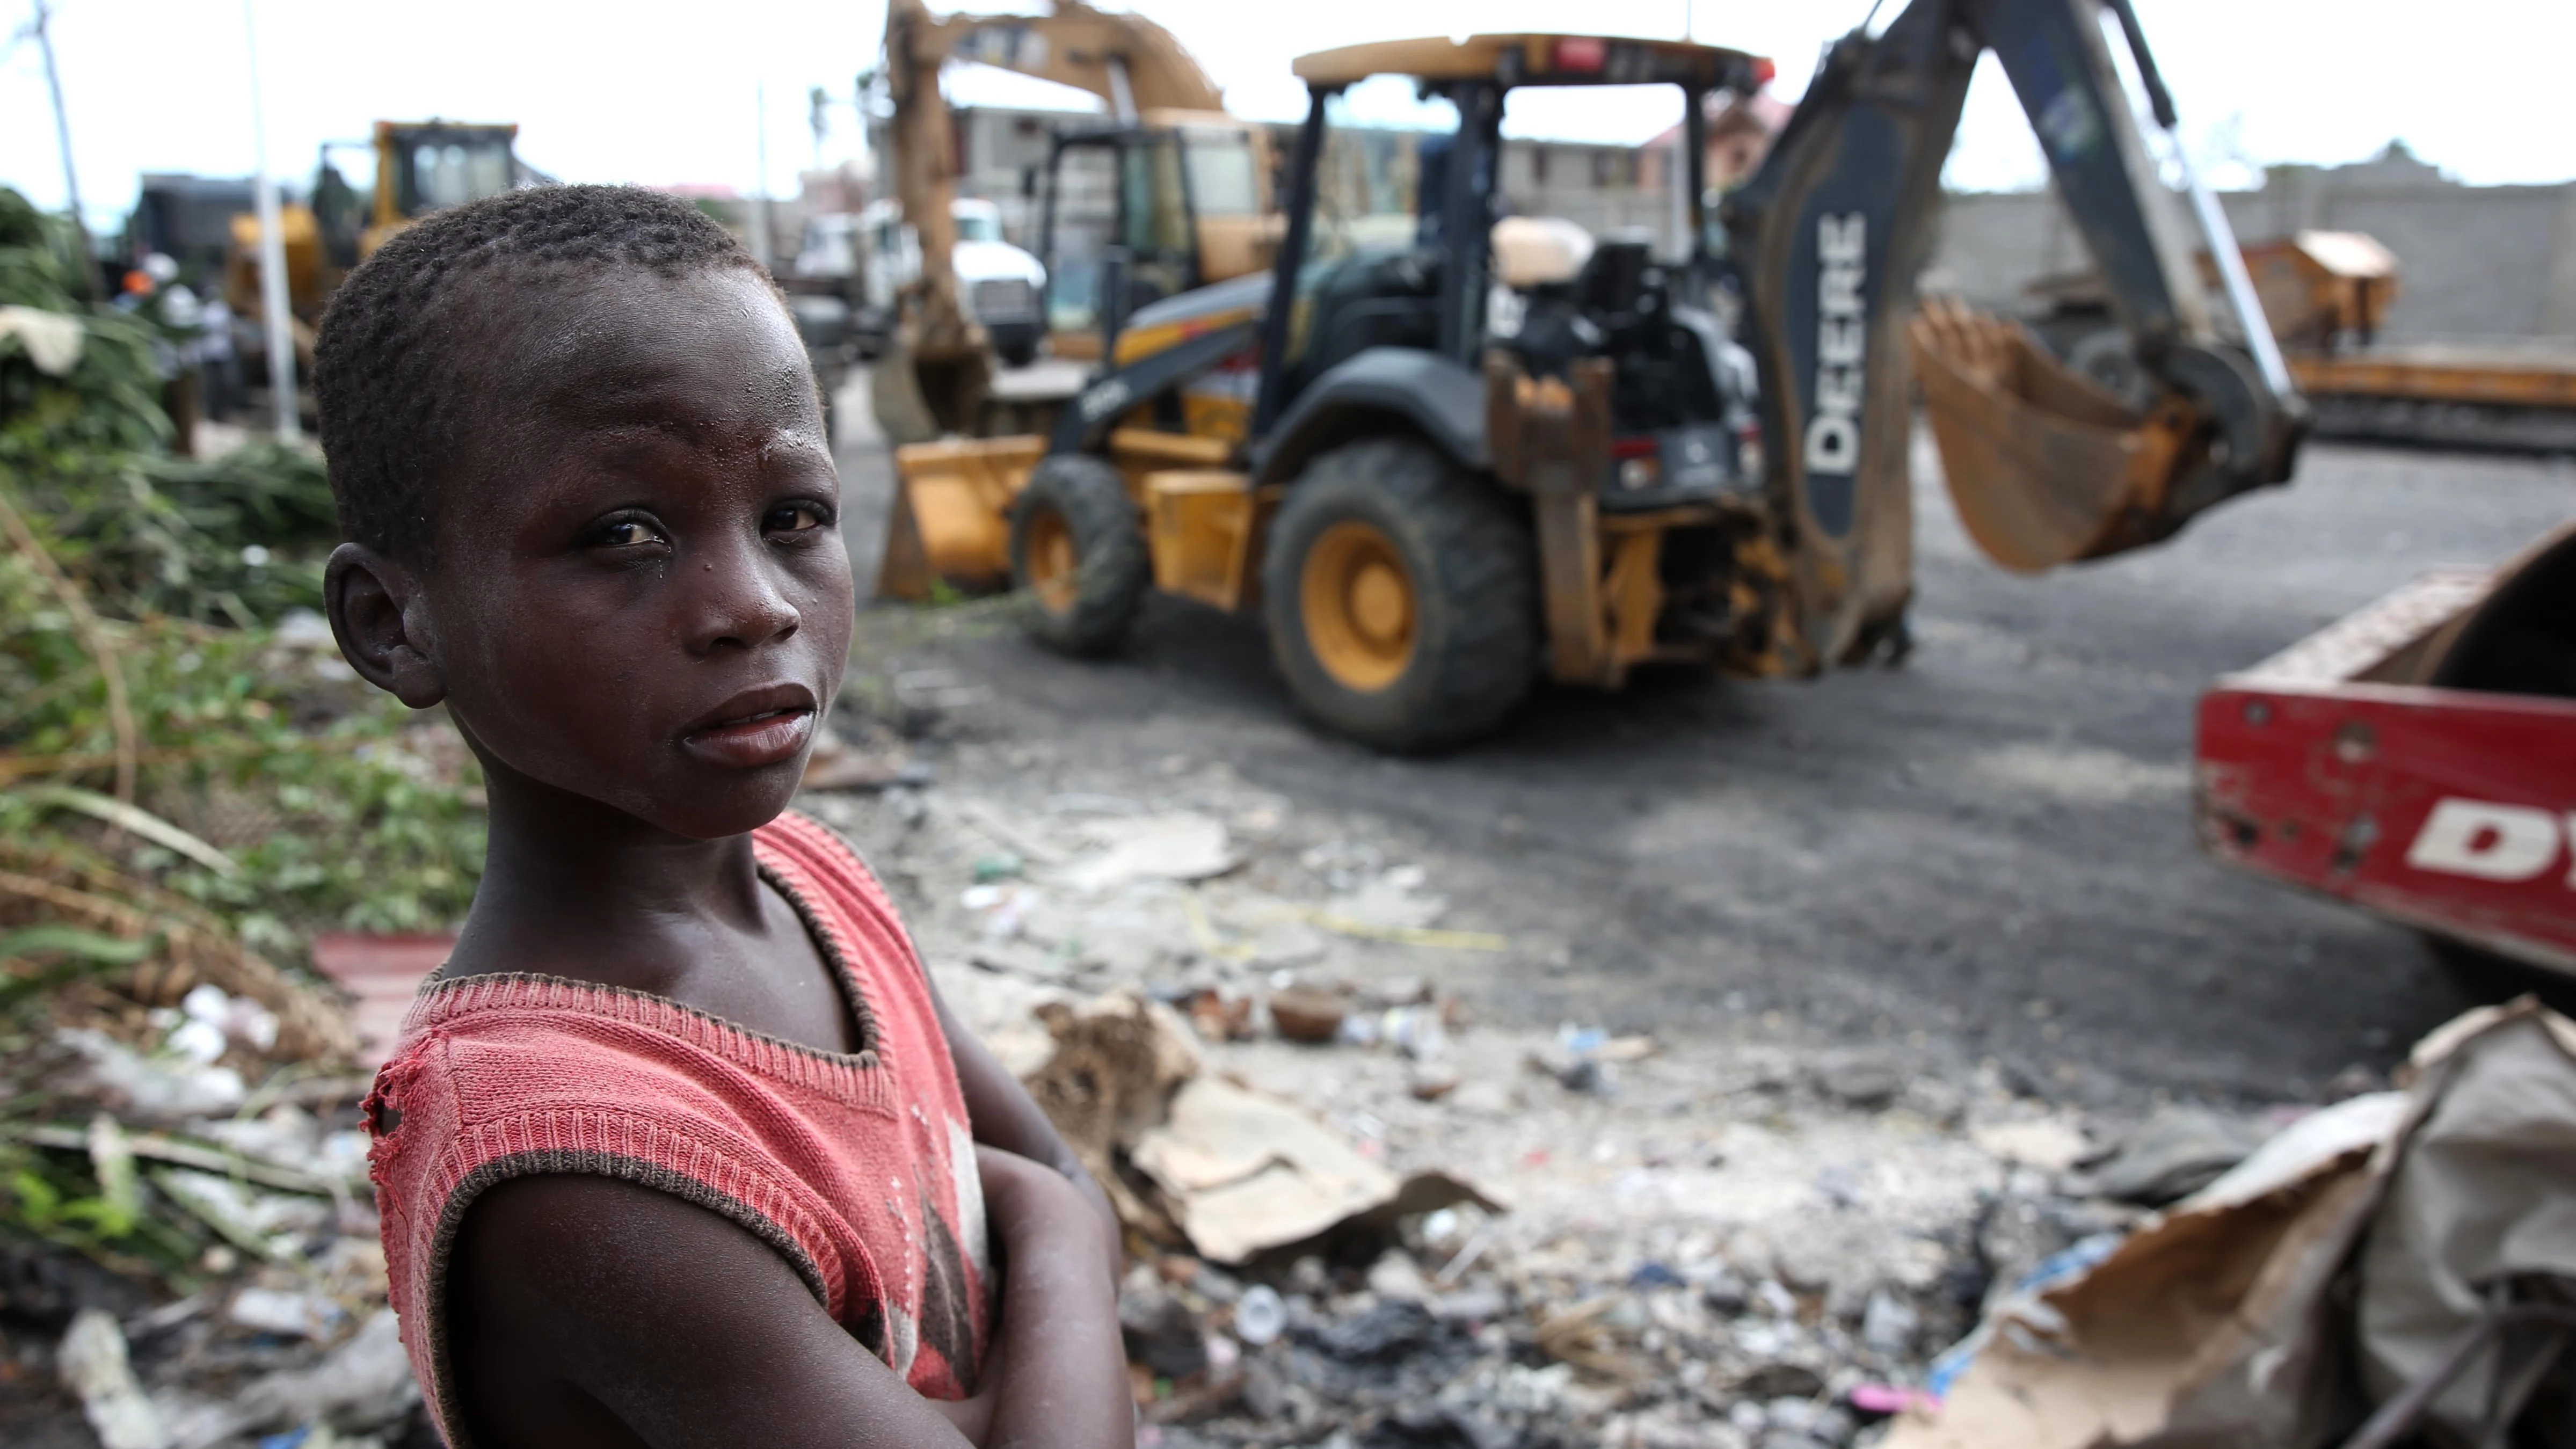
605 1312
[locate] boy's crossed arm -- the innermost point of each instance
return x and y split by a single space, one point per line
1002 1115
591 1311
594 1311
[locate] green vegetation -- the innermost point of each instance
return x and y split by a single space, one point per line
192 782
140 599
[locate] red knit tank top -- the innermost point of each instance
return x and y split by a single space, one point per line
859 1169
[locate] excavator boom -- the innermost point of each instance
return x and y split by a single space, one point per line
940 369
2045 467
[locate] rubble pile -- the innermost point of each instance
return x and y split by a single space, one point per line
1359 1213
191 1233
1360 1216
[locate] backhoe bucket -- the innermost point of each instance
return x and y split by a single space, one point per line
952 512
919 392
2044 467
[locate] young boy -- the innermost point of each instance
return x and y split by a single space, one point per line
680 1147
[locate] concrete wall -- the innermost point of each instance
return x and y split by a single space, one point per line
2475 261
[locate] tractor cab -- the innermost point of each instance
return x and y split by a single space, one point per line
420 167
429 166
1411 255
1135 213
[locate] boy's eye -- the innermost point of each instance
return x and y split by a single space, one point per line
793 518
626 533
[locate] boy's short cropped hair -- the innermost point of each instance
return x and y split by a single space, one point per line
395 403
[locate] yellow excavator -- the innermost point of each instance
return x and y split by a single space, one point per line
421 166
1179 192
1498 449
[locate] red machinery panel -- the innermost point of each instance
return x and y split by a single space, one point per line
2449 810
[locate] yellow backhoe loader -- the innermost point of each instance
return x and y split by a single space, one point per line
1499 450
1185 189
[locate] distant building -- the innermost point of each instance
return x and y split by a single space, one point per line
2473 261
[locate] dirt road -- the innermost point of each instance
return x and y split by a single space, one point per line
1984 854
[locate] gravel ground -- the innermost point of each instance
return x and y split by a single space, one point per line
1967 885
1984 856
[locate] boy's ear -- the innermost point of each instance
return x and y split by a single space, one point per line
381 619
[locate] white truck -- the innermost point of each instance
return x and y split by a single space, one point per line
1003 286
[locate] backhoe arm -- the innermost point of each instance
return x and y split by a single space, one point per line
2045 468
938 372
1127 60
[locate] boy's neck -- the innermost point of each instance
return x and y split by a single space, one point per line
563 871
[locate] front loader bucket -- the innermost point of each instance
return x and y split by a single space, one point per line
929 382
895 397
2044 467
951 519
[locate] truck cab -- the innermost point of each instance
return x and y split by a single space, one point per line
1003 286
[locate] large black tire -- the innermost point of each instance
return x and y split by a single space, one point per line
1467 648
1078 554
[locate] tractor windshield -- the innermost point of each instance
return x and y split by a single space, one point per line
1224 175
1368 184
1607 158
437 169
1083 226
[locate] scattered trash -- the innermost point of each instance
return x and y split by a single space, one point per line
1220 1016
1260 1315
1416 1031
836 764
1231 1171
363 1384
1430 1084
2173 1154
1863 1084
1652 1274
270 1310
1242 1172
1586 1059
2047 1143
1882 1401
2372 1222
93 1367
1304 1013
1153 847
1889 1323
166 1090
1161 1332
1019 958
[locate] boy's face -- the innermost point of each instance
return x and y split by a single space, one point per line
640 593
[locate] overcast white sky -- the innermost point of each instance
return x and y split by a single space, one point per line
660 92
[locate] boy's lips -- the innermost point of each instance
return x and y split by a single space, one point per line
756 728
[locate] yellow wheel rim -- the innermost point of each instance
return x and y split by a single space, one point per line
1054 569
1356 598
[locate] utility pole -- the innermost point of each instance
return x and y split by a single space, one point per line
763 245
63 138
272 253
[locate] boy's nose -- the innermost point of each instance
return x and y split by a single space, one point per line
738 602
